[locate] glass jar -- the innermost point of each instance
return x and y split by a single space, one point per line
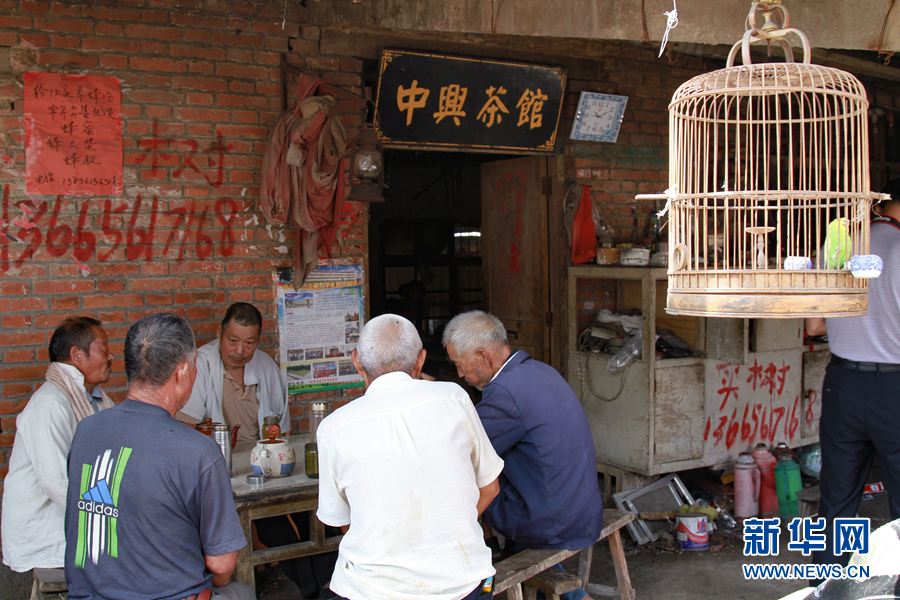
311 459
317 413
271 424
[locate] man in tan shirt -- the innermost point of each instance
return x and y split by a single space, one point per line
236 384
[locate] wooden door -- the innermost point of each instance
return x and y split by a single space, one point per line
515 251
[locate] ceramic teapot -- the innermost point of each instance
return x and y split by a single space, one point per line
273 457
206 428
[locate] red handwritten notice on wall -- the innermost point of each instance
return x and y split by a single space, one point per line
73 135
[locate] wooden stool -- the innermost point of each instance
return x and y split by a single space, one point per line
49 584
552 582
519 569
808 501
613 521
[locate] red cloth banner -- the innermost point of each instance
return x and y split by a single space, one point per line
73 135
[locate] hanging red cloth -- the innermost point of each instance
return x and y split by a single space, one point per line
303 173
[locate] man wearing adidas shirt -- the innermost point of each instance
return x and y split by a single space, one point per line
149 511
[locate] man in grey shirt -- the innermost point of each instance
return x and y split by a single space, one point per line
861 393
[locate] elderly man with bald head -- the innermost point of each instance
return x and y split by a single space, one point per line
405 471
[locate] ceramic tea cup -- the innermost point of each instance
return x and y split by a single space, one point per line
866 266
797 263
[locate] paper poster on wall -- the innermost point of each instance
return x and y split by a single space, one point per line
319 326
73 135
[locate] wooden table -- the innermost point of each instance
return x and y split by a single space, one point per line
277 496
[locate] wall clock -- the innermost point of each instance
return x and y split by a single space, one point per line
599 117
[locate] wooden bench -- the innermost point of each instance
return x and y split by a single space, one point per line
516 570
49 584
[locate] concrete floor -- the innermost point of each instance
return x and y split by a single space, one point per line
662 573
658 573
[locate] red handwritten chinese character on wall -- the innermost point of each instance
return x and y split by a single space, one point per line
728 389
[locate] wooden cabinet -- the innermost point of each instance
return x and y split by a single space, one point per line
753 381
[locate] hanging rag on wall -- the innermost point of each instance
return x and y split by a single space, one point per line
303 172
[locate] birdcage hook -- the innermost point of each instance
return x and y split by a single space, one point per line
768 33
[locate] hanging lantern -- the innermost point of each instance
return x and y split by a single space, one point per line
768 193
366 168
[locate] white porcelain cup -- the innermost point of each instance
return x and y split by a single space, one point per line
797 263
866 266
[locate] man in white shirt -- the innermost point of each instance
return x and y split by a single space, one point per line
412 464
236 384
34 492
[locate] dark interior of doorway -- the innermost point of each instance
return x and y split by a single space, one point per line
425 240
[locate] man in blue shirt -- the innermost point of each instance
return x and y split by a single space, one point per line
549 496
149 511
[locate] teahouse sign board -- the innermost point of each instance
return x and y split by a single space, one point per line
450 101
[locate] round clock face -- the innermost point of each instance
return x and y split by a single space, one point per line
599 116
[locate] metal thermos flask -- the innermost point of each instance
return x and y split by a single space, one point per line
746 487
787 484
782 449
768 497
222 436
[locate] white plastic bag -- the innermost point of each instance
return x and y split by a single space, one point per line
630 351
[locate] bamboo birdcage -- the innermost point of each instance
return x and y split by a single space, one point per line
762 159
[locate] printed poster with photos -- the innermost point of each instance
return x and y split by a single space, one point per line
319 326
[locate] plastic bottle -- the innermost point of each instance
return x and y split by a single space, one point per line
788 483
605 237
746 487
768 497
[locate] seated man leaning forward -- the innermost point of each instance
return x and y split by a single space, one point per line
405 471
236 384
150 513
34 493
549 496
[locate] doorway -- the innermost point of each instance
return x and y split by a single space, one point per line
460 232
426 245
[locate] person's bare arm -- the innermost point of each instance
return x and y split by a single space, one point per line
815 326
487 494
221 567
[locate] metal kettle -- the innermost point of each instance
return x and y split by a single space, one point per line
207 428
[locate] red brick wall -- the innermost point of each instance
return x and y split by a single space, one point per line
638 162
201 84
